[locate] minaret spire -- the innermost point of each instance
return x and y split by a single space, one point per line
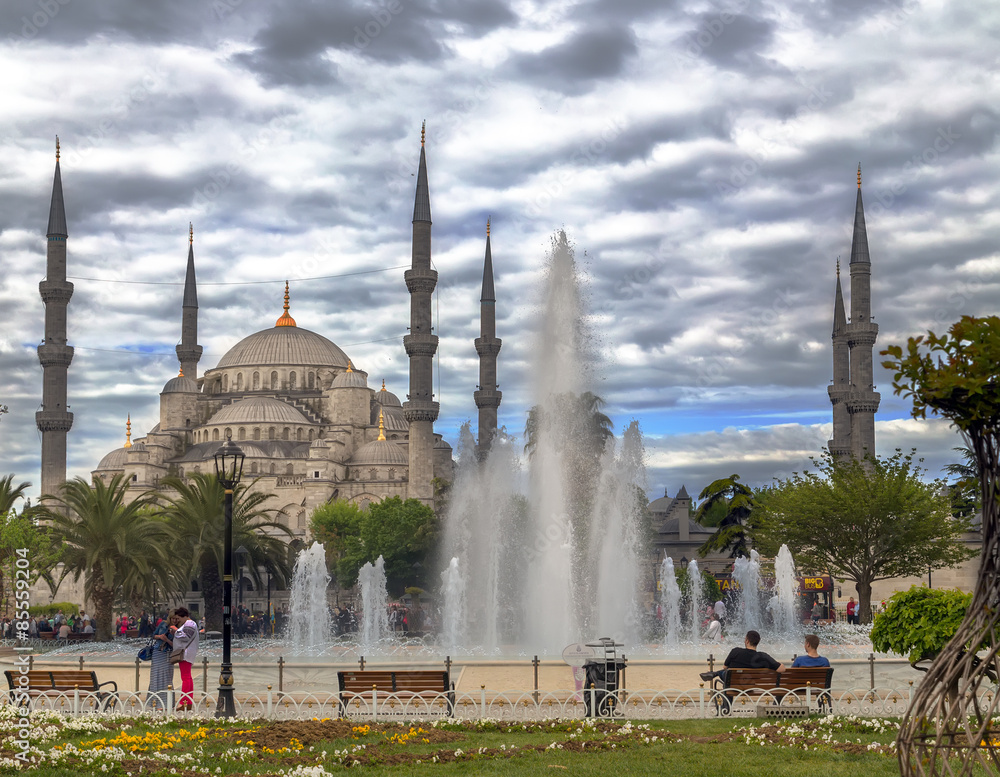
488 345
189 352
861 334
840 445
421 343
54 420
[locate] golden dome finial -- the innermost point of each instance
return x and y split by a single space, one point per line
128 432
381 426
838 266
190 233
487 226
859 175
180 374
383 384
286 319
349 368
57 148
423 132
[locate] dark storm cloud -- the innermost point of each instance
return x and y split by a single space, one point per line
732 41
578 63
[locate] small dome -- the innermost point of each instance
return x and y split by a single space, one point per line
350 379
180 385
380 452
259 410
138 446
114 460
442 445
387 398
319 443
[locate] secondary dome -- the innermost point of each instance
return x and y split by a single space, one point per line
350 378
180 385
114 460
387 398
380 452
284 345
259 410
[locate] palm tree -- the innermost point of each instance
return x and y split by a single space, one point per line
964 492
9 495
731 533
577 417
195 513
106 538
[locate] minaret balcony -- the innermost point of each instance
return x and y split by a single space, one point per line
420 279
838 395
488 346
420 345
421 410
52 355
189 353
864 334
863 402
54 420
487 397
59 292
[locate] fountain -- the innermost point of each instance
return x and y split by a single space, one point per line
748 612
694 599
782 604
374 605
310 625
670 602
453 611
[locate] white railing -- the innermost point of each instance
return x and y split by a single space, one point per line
648 704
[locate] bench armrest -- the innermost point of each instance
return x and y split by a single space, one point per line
107 682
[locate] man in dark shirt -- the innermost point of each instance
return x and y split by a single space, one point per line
747 657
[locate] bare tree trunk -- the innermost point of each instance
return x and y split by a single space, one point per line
864 589
104 599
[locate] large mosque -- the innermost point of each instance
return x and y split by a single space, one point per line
309 424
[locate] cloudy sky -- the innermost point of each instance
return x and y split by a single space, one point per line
700 155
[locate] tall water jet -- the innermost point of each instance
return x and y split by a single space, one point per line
694 584
670 602
374 604
746 573
453 611
782 604
309 613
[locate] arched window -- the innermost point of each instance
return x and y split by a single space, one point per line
289 470
256 432
312 379
256 381
392 474
373 474
272 469
229 433
225 383
298 435
215 434
270 433
242 433
285 434
291 379
302 519
311 433
239 382
274 381
253 467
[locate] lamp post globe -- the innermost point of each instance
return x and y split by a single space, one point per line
228 470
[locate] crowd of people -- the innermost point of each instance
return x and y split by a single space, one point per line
59 625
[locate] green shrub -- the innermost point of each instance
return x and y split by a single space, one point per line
49 610
918 623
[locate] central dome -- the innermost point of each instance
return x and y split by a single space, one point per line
284 345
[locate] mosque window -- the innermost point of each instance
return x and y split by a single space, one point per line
256 432
229 433
312 379
392 474
298 435
256 381
373 473
291 379
271 469
270 433
239 382
311 434
274 381
243 433
285 434
364 503
302 519
289 470
225 383
215 434
253 467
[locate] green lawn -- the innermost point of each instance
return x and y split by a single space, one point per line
98 744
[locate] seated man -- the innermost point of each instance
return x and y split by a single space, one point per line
746 657
812 656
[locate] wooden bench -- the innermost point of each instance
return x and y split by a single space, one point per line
46 682
799 678
403 684
776 685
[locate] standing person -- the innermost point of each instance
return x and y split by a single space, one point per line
161 671
812 656
186 639
720 610
852 612
144 626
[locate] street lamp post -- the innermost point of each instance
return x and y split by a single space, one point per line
228 470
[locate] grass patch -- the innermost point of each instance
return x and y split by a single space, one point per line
313 748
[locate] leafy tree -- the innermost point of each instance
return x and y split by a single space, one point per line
863 521
195 513
918 623
18 532
403 533
332 524
964 492
106 539
733 529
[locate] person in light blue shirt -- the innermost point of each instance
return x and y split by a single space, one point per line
812 656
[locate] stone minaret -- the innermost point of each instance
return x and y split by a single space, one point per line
54 420
189 352
487 346
421 344
840 445
863 401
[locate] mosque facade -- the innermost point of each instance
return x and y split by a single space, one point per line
311 427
